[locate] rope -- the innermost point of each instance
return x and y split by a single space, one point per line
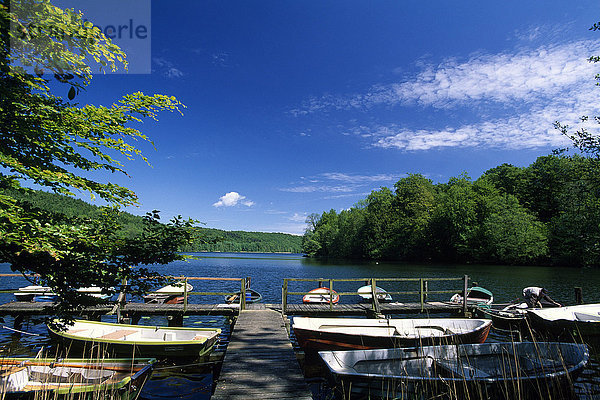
18 331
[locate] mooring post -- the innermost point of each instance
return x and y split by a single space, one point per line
185 294
465 289
376 307
578 295
284 290
121 300
243 295
421 297
331 294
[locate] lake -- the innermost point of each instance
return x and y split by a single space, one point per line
268 271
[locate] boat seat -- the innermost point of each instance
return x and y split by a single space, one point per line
120 334
74 331
461 369
586 317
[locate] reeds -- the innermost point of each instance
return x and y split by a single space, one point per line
113 380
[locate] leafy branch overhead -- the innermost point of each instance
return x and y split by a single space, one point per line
51 142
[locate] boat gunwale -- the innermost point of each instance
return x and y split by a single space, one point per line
146 365
132 342
350 372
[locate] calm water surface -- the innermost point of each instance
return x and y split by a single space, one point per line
267 272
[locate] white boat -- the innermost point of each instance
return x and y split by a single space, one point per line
363 333
95 291
567 322
126 340
170 294
476 295
31 292
498 370
38 378
321 295
366 293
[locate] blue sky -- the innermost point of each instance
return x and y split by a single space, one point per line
297 107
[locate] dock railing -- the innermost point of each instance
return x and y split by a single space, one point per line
120 302
423 289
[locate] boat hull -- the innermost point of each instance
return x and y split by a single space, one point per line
314 340
132 375
491 370
254 297
321 296
137 348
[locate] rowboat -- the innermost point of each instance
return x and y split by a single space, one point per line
139 340
476 295
366 293
120 379
39 293
567 322
252 296
507 320
362 333
490 370
35 293
170 294
321 295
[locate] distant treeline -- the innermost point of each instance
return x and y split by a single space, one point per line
546 213
131 225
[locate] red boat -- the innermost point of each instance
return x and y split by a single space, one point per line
363 333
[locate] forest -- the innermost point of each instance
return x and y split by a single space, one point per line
547 213
206 239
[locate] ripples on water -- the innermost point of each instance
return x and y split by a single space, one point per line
171 381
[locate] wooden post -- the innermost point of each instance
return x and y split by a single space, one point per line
578 295
376 307
243 295
121 300
331 294
421 297
185 295
284 290
465 288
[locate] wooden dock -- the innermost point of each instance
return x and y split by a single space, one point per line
364 309
260 362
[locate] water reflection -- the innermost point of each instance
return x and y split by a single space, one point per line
267 272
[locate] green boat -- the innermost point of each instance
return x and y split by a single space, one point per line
74 378
138 340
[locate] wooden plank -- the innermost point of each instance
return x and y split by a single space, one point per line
259 361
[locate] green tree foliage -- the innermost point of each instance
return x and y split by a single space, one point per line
548 212
52 142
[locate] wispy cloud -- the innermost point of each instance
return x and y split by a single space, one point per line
232 199
340 176
167 68
319 188
329 182
298 217
525 92
504 78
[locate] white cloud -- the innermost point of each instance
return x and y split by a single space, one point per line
298 217
340 176
505 78
167 68
513 99
232 199
319 188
